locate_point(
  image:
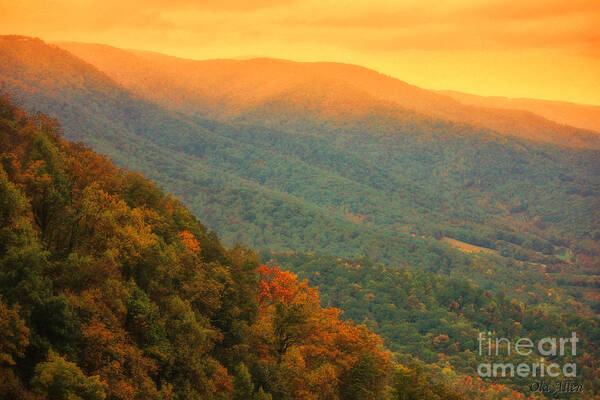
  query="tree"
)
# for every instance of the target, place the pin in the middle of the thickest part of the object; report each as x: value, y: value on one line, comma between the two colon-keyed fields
x: 262, y: 395
x: 14, y: 335
x: 365, y: 380
x: 58, y: 379
x: 242, y: 383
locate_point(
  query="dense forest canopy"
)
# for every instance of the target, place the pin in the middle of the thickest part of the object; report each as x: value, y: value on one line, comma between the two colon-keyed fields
x: 110, y: 289
x: 437, y: 320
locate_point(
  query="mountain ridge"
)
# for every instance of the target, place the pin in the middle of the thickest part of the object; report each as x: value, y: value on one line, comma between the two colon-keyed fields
x: 584, y: 116
x: 195, y: 84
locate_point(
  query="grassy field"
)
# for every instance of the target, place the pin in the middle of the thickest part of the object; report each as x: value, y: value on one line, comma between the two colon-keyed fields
x: 466, y: 247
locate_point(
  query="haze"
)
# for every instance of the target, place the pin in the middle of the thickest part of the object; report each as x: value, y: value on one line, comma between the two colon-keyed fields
x: 538, y: 49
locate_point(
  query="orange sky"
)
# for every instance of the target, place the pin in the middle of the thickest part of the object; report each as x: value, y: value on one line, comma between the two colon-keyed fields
x: 519, y: 48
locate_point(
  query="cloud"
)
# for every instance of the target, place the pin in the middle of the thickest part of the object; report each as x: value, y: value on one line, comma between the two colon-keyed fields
x: 374, y: 26
x: 435, y: 25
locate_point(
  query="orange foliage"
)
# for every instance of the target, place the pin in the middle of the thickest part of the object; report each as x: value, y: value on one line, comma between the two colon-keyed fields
x: 277, y: 285
x: 14, y: 335
x: 475, y: 387
x: 190, y: 242
x: 310, y: 340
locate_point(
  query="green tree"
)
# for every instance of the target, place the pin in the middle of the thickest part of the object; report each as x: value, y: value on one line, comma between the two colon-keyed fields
x: 242, y: 383
x: 58, y: 379
x: 262, y: 395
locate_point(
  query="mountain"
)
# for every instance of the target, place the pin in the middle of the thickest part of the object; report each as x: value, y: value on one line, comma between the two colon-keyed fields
x: 577, y: 115
x: 323, y: 170
x: 411, y: 222
x: 216, y: 87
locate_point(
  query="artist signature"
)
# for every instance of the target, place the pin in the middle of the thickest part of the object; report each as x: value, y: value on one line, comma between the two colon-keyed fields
x: 565, y: 386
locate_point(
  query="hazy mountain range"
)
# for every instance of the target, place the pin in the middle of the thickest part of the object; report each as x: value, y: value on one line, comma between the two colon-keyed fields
x: 230, y: 88
x: 328, y: 167
x: 318, y: 156
x: 577, y: 115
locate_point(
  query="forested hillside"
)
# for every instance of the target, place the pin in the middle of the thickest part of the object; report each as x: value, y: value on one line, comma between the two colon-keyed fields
x: 421, y: 315
x: 111, y: 289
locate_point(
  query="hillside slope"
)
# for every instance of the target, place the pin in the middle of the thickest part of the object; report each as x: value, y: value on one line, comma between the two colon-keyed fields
x: 215, y: 168
x: 111, y: 289
x: 217, y: 87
